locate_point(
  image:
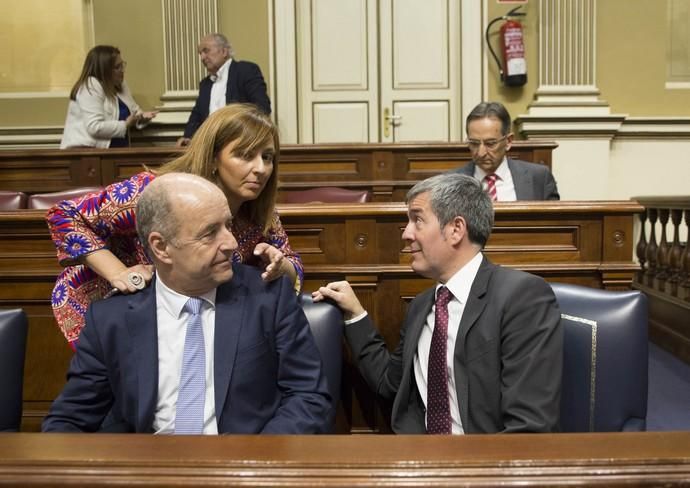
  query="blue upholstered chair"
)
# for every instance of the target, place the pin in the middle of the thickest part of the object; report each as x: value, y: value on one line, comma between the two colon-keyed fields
x: 13, y: 331
x: 326, y: 323
x: 605, y: 359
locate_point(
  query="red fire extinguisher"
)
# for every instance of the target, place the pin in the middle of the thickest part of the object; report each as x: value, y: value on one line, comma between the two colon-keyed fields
x: 513, y: 70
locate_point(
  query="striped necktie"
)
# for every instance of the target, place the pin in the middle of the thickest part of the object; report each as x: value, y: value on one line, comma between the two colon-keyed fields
x: 189, y: 415
x: 491, y: 186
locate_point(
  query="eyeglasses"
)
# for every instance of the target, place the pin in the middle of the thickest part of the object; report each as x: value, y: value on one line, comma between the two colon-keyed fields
x: 120, y: 66
x: 489, y: 144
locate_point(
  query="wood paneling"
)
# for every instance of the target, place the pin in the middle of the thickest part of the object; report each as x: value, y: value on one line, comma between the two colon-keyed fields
x: 617, y: 459
x: 387, y: 170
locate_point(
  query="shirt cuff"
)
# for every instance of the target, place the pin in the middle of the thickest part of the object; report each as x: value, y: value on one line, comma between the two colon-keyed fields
x: 357, y: 318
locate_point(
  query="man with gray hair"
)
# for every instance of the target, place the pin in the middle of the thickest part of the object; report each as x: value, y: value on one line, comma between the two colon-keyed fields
x: 228, y: 81
x: 480, y: 352
x: 209, y: 348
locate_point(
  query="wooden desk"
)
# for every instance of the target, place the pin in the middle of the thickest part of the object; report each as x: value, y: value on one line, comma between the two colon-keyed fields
x: 587, y: 243
x: 623, y: 459
x: 387, y: 170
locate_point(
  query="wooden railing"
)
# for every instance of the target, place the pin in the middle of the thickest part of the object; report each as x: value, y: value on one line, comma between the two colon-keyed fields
x: 665, y: 270
x: 587, y: 243
x: 617, y: 459
x: 387, y: 170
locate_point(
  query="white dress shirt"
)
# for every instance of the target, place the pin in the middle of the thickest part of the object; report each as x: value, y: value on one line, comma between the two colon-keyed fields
x: 172, y: 329
x: 505, y: 188
x: 219, y: 87
x: 459, y: 285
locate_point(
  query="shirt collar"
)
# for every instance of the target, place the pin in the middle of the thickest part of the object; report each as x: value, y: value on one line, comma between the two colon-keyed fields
x: 503, y: 171
x: 173, y: 302
x: 222, y: 72
x: 461, y: 282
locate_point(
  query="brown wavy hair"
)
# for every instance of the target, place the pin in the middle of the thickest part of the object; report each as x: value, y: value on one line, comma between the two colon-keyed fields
x: 253, y: 130
x: 99, y: 63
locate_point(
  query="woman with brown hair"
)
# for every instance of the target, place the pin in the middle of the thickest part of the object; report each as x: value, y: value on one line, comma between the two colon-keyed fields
x: 101, y: 107
x: 236, y: 148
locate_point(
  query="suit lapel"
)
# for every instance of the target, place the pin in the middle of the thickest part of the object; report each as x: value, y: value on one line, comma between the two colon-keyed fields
x: 231, y: 90
x: 476, y: 303
x: 231, y: 302
x: 522, y: 181
x: 143, y: 329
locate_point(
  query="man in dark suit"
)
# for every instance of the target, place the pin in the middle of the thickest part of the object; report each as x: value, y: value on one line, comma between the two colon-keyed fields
x: 489, y: 138
x: 228, y: 81
x: 208, y: 348
x: 481, y: 352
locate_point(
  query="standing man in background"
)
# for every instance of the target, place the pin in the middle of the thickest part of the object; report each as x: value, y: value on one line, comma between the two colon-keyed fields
x: 228, y: 81
x: 505, y: 179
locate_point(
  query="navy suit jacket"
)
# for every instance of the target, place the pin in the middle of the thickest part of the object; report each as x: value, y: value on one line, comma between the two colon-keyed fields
x: 245, y: 85
x: 532, y: 181
x: 508, y: 356
x: 267, y: 369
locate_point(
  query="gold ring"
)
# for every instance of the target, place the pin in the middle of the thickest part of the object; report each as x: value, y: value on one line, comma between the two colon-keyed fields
x: 136, y: 280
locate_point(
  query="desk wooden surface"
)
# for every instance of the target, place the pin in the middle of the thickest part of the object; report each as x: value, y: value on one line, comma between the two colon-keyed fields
x: 621, y: 459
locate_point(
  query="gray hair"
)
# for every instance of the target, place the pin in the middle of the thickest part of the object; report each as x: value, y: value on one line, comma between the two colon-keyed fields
x: 454, y: 195
x: 154, y: 212
x: 490, y: 110
x: 222, y: 41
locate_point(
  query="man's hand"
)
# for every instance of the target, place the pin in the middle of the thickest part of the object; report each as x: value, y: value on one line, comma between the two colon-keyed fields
x: 342, y: 294
x: 182, y: 142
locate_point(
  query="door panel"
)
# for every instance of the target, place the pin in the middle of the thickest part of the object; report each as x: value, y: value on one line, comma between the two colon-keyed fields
x: 421, y: 121
x: 420, y: 70
x: 337, y: 72
x: 341, y: 122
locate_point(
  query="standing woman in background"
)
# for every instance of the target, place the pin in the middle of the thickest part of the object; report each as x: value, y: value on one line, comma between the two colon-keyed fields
x: 101, y: 107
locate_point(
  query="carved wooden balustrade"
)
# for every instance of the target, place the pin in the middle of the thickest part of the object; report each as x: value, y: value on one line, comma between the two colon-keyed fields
x: 665, y: 270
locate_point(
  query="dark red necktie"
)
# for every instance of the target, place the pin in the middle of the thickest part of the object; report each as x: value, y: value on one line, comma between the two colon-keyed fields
x: 438, y: 420
x: 491, y: 186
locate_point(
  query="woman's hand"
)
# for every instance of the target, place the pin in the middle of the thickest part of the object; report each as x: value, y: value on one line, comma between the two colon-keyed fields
x: 276, y: 263
x: 133, y: 279
x: 146, y: 117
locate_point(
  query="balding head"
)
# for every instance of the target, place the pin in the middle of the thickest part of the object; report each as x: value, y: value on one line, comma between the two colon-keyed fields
x: 184, y: 221
x: 155, y: 207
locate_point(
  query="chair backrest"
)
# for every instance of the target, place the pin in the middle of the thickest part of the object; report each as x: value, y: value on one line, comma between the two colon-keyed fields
x: 13, y: 331
x: 326, y: 324
x: 326, y: 194
x: 605, y: 359
x: 47, y: 200
x: 12, y: 200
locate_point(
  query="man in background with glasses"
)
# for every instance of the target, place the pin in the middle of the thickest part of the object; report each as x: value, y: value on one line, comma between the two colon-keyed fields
x: 505, y: 179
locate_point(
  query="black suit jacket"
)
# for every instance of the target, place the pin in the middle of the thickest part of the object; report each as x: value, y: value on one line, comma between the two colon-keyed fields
x: 267, y: 370
x: 245, y: 85
x: 532, y: 181
x: 508, y: 357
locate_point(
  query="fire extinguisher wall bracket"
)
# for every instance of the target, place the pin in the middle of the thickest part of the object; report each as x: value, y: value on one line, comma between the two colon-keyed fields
x: 514, y: 69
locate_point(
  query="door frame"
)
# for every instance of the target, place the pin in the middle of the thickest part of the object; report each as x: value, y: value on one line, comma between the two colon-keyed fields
x: 284, y: 70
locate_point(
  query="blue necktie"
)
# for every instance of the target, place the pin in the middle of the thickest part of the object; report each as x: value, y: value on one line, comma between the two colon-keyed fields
x: 189, y: 416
